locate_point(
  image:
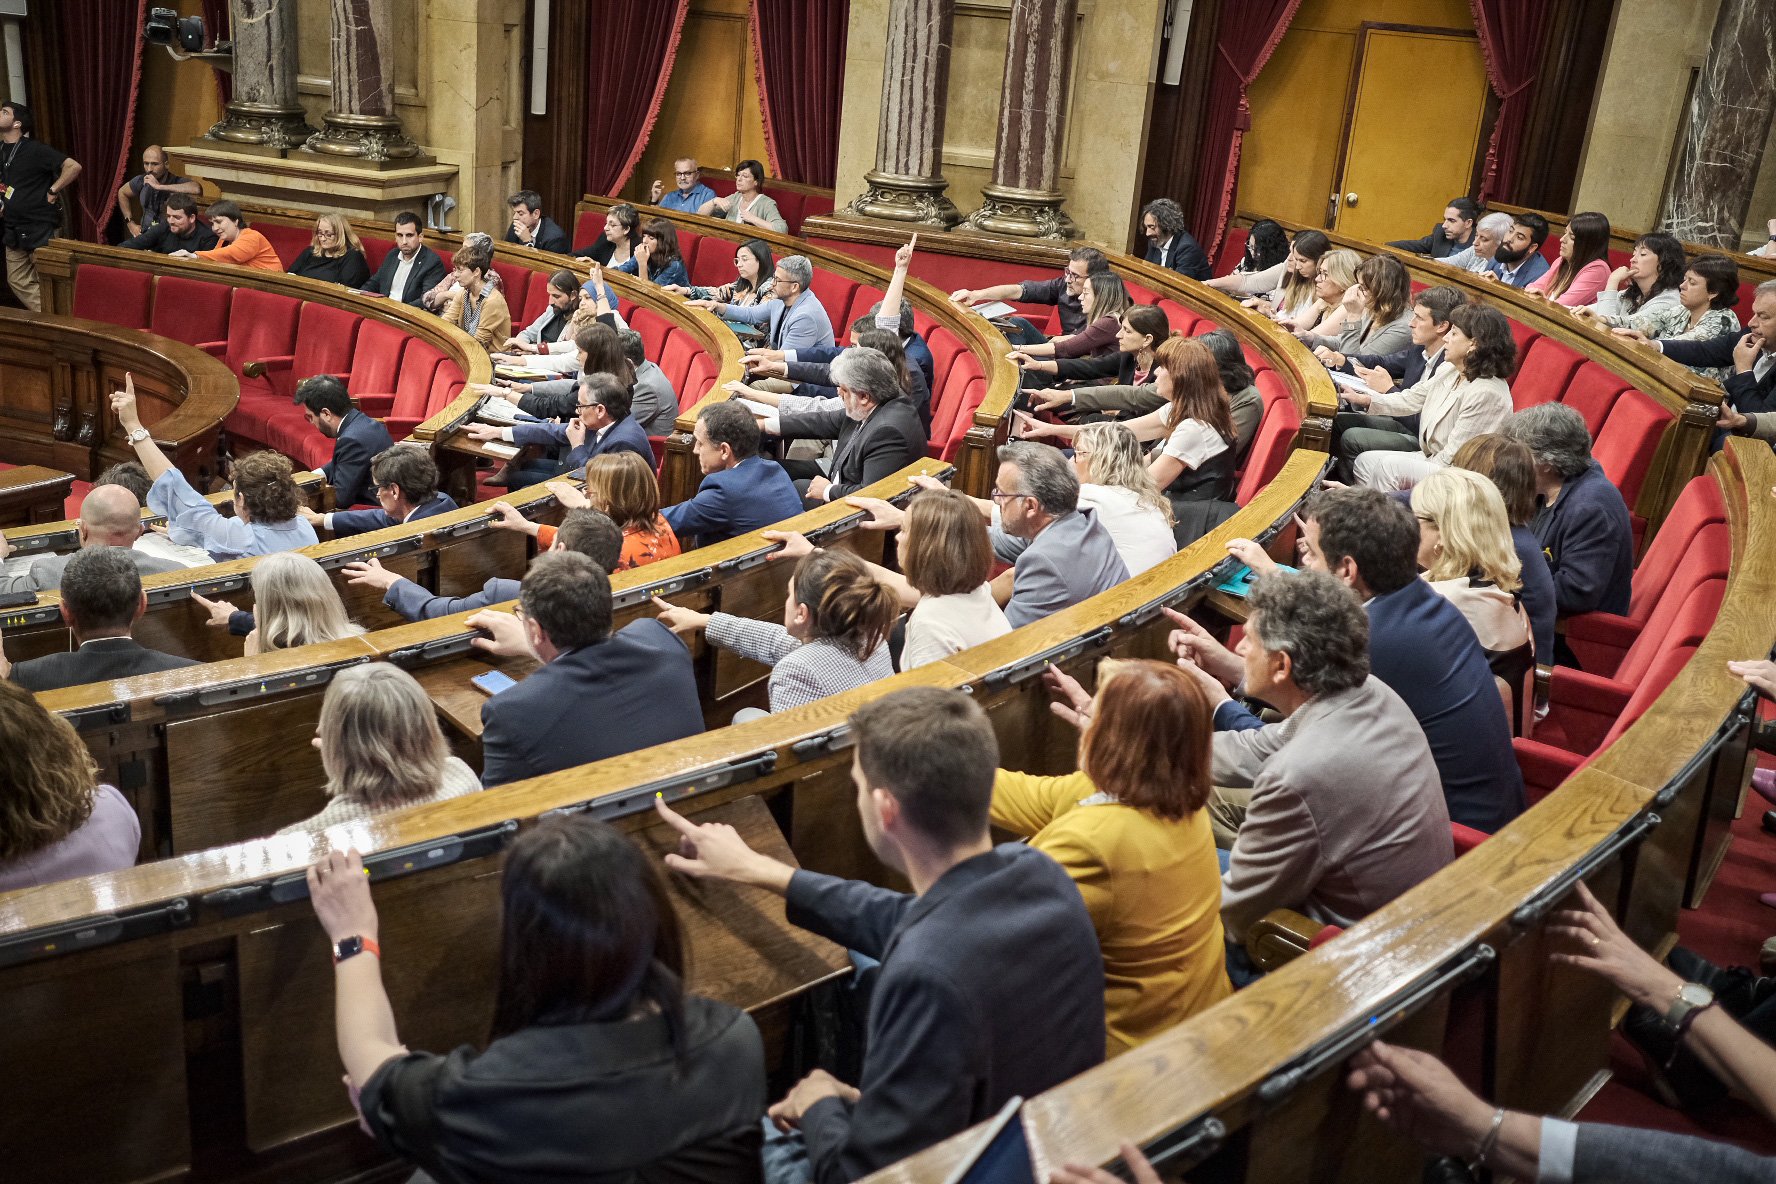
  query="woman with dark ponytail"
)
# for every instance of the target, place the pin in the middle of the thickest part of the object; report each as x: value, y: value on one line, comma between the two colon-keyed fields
x: 598, y: 1065
x: 836, y: 620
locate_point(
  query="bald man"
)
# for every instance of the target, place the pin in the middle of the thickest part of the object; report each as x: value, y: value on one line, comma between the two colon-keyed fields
x: 109, y: 517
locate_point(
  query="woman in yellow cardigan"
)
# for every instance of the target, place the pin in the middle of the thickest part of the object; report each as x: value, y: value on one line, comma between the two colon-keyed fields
x: 1131, y: 830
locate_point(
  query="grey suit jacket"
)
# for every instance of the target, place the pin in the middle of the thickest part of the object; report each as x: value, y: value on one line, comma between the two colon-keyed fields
x: 1347, y: 809
x: 1073, y: 559
x: 1623, y: 1155
x: 46, y: 573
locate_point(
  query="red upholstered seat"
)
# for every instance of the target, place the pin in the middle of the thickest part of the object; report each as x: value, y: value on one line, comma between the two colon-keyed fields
x: 834, y: 292
x: 192, y: 311
x: 945, y: 347
x: 948, y: 400
x: 1465, y: 838
x: 1233, y: 248
x: 1181, y: 319
x: 1270, y: 385
x: 1270, y: 448
x: 447, y: 384
x: 376, y: 249
x: 675, y: 358
x: 711, y: 261
x: 1592, y: 391
x: 514, y: 283
x: 698, y: 380
x: 814, y: 205
x: 588, y: 225
x: 261, y: 325
x: 972, y: 393
x: 419, y: 364
x: 114, y: 295
x: 1628, y: 440
x: 324, y: 339
x: 1543, y: 372
x: 376, y: 367
x: 861, y: 300
x: 287, y: 241
x: 653, y: 329
x: 1523, y: 335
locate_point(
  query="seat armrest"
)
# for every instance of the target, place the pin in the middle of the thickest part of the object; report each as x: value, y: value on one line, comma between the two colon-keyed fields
x: 1544, y: 766
x: 375, y: 406
x: 262, y: 366
x: 215, y: 349
x: 1584, y: 691
x: 1279, y: 937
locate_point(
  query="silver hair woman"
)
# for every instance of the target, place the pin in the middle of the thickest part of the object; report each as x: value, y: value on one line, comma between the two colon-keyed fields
x: 295, y: 604
x: 381, y: 748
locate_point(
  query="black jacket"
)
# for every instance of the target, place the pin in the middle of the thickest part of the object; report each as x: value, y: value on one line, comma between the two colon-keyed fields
x: 1707, y: 353
x: 162, y: 241
x: 1183, y: 255
x: 1436, y: 244
x: 426, y: 273
x: 99, y: 660
x: 350, y: 269
x: 863, y: 453
x: 549, y: 237
x: 1001, y: 947
x: 360, y: 439
x: 1406, y: 365
x: 814, y: 380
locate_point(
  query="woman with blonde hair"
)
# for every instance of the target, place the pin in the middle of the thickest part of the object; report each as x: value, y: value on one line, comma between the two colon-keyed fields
x: 1323, y: 321
x: 836, y: 621
x: 294, y: 603
x: 1294, y: 294
x: 1114, y: 480
x: 1377, y: 308
x: 1131, y: 830
x: 335, y: 254
x: 621, y: 485
x: 944, y: 581
x: 381, y: 748
x: 1465, y: 548
x: 56, y: 821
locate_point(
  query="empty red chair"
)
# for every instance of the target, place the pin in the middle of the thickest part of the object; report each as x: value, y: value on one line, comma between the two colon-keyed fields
x: 711, y: 261
x: 1181, y: 319
x: 376, y: 249
x: 945, y: 348
x: 1465, y: 838
x: 1523, y: 335
x: 861, y: 300
x: 834, y: 293
x: 1270, y: 448
x: 1543, y: 372
x: 698, y: 379
x: 653, y: 329
x: 675, y: 358
x: 514, y: 283
x: 1270, y: 386
x: 261, y: 325
x: 287, y: 241
x: 791, y: 205
x: 1627, y: 442
x: 972, y: 393
x: 376, y: 367
x: 1233, y: 249
x: 947, y: 401
x: 413, y: 388
x: 588, y: 226
x: 192, y: 311
x: 1592, y: 391
x: 324, y: 339
x: 114, y: 295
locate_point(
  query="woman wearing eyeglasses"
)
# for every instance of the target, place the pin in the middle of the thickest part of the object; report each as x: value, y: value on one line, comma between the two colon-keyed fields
x: 334, y: 254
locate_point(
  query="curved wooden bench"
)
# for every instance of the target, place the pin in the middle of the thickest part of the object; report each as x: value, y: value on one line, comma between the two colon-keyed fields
x: 56, y: 377
x: 1650, y: 446
x: 220, y: 912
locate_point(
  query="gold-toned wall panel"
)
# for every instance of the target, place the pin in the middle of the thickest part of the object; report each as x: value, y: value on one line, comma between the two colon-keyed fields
x: 1288, y: 159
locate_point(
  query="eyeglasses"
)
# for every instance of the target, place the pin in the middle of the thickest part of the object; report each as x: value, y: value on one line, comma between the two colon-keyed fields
x: 781, y: 279
x: 323, y: 232
x: 1072, y: 277
x: 585, y: 406
x: 1001, y: 495
x: 684, y: 173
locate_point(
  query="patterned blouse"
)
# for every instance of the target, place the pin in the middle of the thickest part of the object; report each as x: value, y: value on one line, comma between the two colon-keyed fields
x: 801, y: 672
x: 1716, y: 322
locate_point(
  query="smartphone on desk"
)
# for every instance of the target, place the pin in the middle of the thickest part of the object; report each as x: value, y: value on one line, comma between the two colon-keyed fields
x: 493, y: 682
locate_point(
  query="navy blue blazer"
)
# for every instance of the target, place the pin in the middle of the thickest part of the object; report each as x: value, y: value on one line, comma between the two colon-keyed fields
x: 1436, y: 244
x: 1183, y: 255
x: 417, y: 604
x: 360, y: 439
x: 549, y: 237
x: 1000, y: 947
x: 1527, y: 272
x: 624, y: 436
x: 1539, y: 598
x: 918, y: 352
x: 1709, y: 353
x: 1422, y: 647
x: 348, y: 522
x: 752, y: 495
x: 1406, y: 365
x: 427, y: 272
x: 100, y: 660
x: 633, y: 690
x: 1588, y: 540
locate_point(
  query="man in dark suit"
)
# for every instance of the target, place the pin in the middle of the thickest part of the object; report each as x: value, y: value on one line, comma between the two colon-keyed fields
x: 531, y: 227
x: 918, y: 350
x: 1454, y: 233
x: 586, y: 532
x: 1169, y: 242
x: 356, y: 438
x: 110, y: 516
x: 1420, y: 645
x: 405, y: 481
x: 598, y: 694
x: 993, y: 944
x: 741, y: 490
x: 410, y: 270
x: 875, y: 433
x: 604, y: 425
x: 101, y: 599
x: 178, y: 229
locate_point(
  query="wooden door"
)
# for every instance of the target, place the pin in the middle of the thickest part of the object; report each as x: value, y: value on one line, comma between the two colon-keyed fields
x: 1417, y: 101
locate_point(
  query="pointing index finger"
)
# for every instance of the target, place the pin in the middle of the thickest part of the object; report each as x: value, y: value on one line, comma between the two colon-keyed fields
x: 674, y: 819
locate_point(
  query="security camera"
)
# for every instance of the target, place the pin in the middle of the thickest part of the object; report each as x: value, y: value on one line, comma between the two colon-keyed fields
x: 166, y: 27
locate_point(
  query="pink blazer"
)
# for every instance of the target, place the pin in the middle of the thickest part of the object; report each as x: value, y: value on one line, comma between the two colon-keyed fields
x: 1585, y: 286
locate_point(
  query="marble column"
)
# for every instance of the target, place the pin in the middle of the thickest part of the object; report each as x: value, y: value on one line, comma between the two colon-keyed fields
x: 361, y: 127
x: 265, y: 116
x: 1024, y: 198
x: 907, y: 184
x: 1730, y: 115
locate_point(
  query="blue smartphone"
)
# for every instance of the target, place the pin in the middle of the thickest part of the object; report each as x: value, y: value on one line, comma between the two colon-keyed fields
x: 493, y: 682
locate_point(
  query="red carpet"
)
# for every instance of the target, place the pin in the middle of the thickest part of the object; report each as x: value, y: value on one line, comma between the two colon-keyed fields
x: 1728, y: 930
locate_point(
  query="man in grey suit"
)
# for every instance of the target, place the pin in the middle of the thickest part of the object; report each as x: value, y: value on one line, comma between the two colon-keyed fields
x: 1347, y: 808
x: 109, y: 517
x: 793, y: 318
x: 101, y: 599
x: 1060, y: 553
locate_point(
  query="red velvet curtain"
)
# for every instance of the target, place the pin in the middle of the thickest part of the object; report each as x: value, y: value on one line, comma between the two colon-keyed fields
x: 99, y: 44
x: 1245, y: 37
x: 1511, y: 42
x: 634, y: 44
x: 798, y: 49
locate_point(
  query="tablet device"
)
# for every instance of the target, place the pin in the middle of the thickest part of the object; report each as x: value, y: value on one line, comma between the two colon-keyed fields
x: 1003, y: 1154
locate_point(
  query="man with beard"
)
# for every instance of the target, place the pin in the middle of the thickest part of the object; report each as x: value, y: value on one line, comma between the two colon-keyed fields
x: 1518, y: 260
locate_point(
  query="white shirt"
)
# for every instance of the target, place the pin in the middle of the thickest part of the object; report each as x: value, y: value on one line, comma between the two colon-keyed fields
x: 1141, y: 534
x: 403, y: 269
x: 1193, y: 442
x: 940, y: 626
x: 152, y: 542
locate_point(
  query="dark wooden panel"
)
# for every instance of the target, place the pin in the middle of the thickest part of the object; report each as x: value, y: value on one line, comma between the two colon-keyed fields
x: 263, y: 752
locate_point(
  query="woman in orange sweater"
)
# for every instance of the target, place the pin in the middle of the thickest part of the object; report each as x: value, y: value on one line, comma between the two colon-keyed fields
x: 237, y: 242
x: 619, y: 484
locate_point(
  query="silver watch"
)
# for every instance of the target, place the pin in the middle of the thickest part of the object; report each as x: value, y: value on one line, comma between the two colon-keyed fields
x: 137, y: 436
x: 1690, y: 997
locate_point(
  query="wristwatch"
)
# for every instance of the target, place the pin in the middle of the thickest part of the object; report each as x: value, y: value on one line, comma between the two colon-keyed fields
x: 137, y: 436
x: 351, y: 947
x: 1692, y: 999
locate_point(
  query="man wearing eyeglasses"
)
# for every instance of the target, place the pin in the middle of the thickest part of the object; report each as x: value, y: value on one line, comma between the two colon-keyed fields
x: 604, y: 425
x: 793, y: 317
x: 1061, y: 554
x: 1062, y: 291
x: 691, y: 193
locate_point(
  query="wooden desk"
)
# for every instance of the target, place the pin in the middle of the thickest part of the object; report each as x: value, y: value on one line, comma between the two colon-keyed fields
x: 458, y: 700
x: 31, y: 494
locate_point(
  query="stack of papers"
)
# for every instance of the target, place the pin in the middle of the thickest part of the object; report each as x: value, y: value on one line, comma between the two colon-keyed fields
x: 500, y: 449
x: 1350, y: 382
x: 762, y: 410
x: 500, y: 410
x: 997, y: 308
x: 515, y: 372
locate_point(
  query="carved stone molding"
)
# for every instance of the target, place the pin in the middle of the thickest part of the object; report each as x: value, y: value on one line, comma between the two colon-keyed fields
x: 256, y: 128
x: 371, y: 141
x: 918, y: 201
x: 1024, y: 213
